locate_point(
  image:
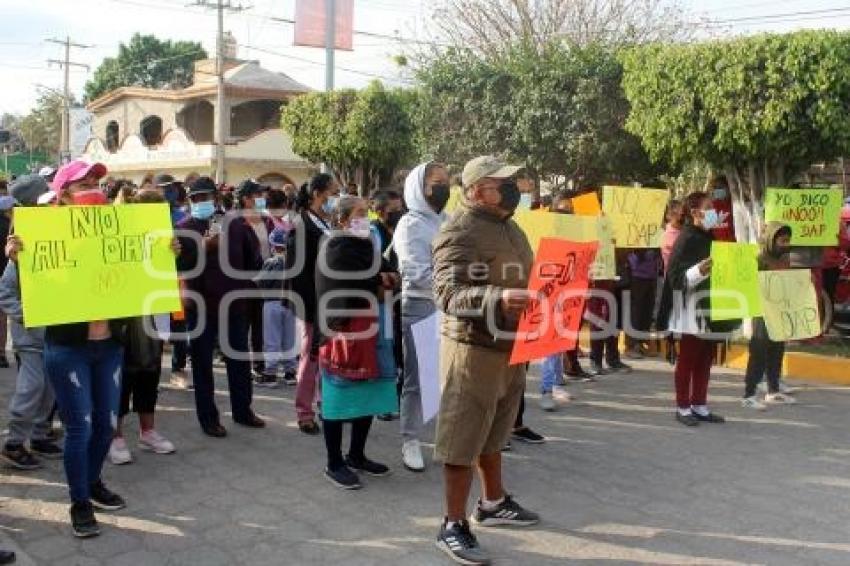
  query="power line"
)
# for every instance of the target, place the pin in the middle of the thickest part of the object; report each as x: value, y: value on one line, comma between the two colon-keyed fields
x: 833, y: 11
x: 311, y: 62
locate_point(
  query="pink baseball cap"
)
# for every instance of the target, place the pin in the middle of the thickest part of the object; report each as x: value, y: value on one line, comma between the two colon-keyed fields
x: 75, y: 171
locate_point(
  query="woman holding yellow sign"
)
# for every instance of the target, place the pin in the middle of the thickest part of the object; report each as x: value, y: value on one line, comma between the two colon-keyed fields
x: 83, y: 362
x: 685, y: 307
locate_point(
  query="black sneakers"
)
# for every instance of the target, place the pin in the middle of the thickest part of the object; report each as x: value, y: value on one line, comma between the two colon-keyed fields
x: 687, y: 420
x: 619, y: 367
x: 104, y: 499
x: 290, y: 378
x: 460, y: 544
x: 527, y: 435
x: 509, y: 512
x: 343, y: 478
x: 46, y: 449
x: 83, y: 522
x: 713, y: 418
x: 264, y: 379
x: 366, y: 465
x: 18, y: 457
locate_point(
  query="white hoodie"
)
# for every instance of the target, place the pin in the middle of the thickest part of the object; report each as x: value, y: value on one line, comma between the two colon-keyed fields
x: 413, y: 236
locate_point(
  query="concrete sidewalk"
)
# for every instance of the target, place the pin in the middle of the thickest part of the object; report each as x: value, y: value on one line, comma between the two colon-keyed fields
x: 619, y: 482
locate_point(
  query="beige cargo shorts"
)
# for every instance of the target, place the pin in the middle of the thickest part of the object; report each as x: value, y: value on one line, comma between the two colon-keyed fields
x: 480, y: 400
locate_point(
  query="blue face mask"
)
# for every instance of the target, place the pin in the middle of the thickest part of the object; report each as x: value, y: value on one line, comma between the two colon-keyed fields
x: 710, y: 219
x: 203, y: 210
x: 260, y: 203
x: 525, y: 201
x: 329, y: 206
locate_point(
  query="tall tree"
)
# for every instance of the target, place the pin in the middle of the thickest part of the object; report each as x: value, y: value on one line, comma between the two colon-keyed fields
x: 41, y: 129
x: 558, y: 109
x: 492, y: 26
x: 761, y: 109
x: 146, y: 61
x: 364, y: 136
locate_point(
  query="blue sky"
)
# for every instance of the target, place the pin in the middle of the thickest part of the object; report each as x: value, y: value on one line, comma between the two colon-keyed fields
x: 105, y: 23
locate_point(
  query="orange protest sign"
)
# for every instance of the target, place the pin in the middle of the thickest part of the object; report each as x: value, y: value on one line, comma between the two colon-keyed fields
x: 559, y: 280
x: 587, y: 205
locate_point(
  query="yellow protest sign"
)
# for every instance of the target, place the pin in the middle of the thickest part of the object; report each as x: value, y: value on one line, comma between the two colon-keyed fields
x: 637, y: 214
x: 587, y: 205
x: 82, y: 263
x: 812, y: 214
x: 539, y: 224
x: 790, y: 304
x: 734, y: 281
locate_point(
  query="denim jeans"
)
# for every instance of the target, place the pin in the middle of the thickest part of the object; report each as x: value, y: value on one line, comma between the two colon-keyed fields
x: 32, y: 402
x: 87, y: 383
x: 279, y: 337
x: 553, y: 371
x: 412, y: 311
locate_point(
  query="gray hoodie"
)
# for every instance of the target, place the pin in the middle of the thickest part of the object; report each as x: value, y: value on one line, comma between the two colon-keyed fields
x: 413, y: 236
x: 23, y: 339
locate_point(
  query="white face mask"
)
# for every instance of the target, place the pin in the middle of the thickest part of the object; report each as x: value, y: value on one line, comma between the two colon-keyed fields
x: 359, y: 227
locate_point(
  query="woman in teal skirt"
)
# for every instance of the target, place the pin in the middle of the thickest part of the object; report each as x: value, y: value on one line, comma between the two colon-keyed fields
x: 356, y: 360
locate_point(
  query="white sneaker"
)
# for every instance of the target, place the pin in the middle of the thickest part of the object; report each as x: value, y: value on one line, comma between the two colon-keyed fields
x: 547, y: 402
x: 179, y: 379
x: 561, y: 395
x: 119, y: 453
x: 753, y: 403
x: 779, y: 399
x: 411, y: 455
x: 154, y: 442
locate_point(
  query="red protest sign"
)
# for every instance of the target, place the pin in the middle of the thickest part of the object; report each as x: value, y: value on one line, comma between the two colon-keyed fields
x: 559, y: 280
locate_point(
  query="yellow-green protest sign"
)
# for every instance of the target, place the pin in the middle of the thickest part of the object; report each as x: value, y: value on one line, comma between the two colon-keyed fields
x: 82, y: 263
x: 790, y: 304
x: 735, y: 292
x: 637, y: 215
x: 812, y: 214
x: 539, y: 224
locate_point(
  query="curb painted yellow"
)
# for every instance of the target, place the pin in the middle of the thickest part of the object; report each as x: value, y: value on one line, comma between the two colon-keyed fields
x: 800, y: 365
x: 826, y: 370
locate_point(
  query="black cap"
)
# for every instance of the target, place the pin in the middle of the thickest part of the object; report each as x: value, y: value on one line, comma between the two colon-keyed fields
x: 249, y: 187
x: 164, y: 180
x: 28, y: 188
x: 202, y: 186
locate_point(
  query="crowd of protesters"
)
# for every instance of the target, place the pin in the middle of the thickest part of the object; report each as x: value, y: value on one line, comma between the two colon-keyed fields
x: 283, y: 286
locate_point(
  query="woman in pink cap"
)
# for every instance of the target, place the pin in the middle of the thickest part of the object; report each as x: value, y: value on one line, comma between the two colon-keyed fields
x: 83, y: 363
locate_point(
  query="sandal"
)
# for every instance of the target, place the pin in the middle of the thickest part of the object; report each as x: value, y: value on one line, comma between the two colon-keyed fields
x: 309, y: 427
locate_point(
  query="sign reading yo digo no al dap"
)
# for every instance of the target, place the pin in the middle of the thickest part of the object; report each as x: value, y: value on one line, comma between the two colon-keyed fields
x: 83, y: 263
x: 812, y: 214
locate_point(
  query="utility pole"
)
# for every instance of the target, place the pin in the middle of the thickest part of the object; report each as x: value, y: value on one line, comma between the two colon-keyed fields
x: 330, y: 43
x: 220, y: 6
x: 66, y: 64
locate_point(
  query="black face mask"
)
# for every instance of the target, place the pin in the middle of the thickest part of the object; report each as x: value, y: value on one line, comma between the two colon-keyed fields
x: 439, y: 197
x: 510, y: 195
x: 394, y: 217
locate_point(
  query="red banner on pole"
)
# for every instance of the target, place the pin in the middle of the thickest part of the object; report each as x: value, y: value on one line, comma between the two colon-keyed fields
x: 310, y: 17
x: 559, y: 281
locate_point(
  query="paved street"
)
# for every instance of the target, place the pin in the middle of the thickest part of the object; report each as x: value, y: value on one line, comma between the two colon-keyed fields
x: 619, y: 482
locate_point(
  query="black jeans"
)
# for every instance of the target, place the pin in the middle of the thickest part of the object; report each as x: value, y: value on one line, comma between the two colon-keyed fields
x: 238, y: 371
x: 255, y: 321
x: 333, y: 440
x: 143, y: 387
x: 180, y: 347
x: 765, y: 359
x: 641, y: 307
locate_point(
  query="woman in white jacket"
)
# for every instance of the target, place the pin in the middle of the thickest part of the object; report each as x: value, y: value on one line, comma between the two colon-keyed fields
x: 426, y: 192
